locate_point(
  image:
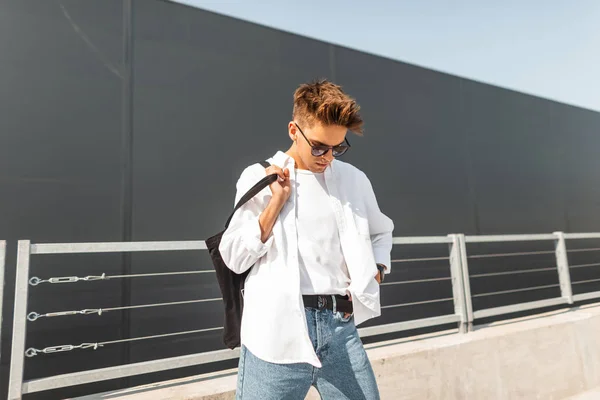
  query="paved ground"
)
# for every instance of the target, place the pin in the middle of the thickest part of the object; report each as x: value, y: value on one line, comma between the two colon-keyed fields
x: 591, y: 395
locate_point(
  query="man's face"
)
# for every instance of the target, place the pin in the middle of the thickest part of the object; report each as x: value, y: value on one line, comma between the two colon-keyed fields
x: 316, y: 135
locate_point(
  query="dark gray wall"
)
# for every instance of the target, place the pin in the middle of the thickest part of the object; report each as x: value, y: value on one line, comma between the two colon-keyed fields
x: 115, y: 131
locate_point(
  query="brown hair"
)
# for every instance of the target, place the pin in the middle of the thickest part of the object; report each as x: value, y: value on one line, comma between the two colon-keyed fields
x: 325, y: 102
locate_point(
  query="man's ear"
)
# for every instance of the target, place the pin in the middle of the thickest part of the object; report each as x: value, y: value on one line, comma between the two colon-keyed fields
x: 292, y: 130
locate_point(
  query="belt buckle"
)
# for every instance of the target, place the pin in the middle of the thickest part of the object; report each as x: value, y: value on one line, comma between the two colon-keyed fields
x: 322, y: 302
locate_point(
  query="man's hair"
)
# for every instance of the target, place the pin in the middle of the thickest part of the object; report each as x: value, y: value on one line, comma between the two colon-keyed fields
x: 325, y: 102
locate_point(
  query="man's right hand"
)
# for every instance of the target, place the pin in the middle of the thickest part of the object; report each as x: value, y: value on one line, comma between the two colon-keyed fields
x: 281, y: 188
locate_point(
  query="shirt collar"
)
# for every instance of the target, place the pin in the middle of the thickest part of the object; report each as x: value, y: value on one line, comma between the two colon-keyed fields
x: 283, y: 160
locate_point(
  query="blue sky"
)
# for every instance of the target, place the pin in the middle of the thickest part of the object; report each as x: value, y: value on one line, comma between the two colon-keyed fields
x: 547, y: 48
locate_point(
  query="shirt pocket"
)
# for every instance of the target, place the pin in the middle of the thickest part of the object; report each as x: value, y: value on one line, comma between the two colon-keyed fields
x: 362, y: 226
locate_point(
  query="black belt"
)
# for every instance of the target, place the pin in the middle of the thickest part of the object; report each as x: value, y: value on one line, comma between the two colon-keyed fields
x: 322, y: 302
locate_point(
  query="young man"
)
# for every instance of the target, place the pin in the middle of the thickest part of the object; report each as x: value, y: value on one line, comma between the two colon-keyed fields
x: 318, y: 246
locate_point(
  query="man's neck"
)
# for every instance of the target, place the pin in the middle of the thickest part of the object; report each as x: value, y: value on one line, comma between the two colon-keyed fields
x: 298, y: 164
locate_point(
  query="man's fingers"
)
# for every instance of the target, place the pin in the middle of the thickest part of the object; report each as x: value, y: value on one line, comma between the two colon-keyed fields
x: 276, y: 170
x: 283, y: 175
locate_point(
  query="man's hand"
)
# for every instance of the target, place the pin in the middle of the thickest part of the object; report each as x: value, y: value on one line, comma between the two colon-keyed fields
x: 378, y: 277
x: 348, y: 315
x: 281, y: 188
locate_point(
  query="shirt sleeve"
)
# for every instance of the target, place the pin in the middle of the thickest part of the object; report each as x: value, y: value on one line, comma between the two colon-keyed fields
x: 380, y: 228
x: 241, y: 245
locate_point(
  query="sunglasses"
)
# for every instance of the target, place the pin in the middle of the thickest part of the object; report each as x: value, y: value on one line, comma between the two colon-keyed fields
x: 321, y: 149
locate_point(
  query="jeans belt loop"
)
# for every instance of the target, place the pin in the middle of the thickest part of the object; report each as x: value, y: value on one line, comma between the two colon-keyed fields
x: 334, y: 304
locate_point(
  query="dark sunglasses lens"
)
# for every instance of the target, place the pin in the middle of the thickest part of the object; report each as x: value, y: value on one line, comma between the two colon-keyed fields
x: 318, y: 151
x: 339, y: 150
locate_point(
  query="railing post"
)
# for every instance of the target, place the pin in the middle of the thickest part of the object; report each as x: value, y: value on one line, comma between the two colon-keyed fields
x: 459, y: 289
x: 15, y: 384
x: 562, y: 263
x: 2, y: 264
x: 464, y: 265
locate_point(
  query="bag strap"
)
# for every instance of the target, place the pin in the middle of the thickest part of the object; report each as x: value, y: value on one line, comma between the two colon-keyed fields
x: 254, y: 190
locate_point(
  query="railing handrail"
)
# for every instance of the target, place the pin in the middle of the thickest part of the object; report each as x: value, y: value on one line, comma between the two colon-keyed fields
x: 116, y: 247
x: 589, y: 235
x: 459, y: 276
x: 508, y: 238
x: 136, y: 246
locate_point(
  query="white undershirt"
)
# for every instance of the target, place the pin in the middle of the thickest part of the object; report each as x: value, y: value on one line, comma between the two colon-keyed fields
x: 323, y: 269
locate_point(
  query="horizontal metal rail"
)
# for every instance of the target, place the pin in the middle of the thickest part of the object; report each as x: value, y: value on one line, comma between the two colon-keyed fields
x: 34, y: 281
x: 33, y: 316
x: 586, y: 296
x: 416, y: 281
x: 32, y: 352
x: 420, y: 259
x: 418, y: 303
x: 583, y: 250
x: 594, y: 235
x: 586, y: 281
x: 115, y: 247
x: 513, y: 272
x: 585, y: 265
x: 515, y: 290
x: 522, y: 253
x: 202, y: 271
x: 490, y: 312
x: 407, y: 325
x: 422, y: 240
x: 121, y: 371
x: 509, y: 238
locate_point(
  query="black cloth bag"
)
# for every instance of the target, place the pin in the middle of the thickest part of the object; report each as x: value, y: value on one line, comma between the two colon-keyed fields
x: 230, y: 283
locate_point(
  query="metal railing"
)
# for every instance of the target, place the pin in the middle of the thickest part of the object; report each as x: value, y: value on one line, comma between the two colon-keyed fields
x: 456, y: 277
x: 457, y: 258
x: 581, y: 236
x: 561, y: 267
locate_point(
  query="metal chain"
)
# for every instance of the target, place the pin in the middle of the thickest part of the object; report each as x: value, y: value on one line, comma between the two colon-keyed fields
x: 33, y: 316
x: 32, y: 352
x: 34, y: 281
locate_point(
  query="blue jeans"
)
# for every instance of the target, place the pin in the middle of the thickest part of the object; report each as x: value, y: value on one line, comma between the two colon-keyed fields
x: 346, y: 371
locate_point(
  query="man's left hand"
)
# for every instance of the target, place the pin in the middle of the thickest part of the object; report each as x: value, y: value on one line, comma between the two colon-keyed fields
x: 378, y: 277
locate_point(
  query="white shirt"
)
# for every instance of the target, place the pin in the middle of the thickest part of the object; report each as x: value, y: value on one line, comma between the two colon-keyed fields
x: 322, y: 266
x: 274, y: 324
